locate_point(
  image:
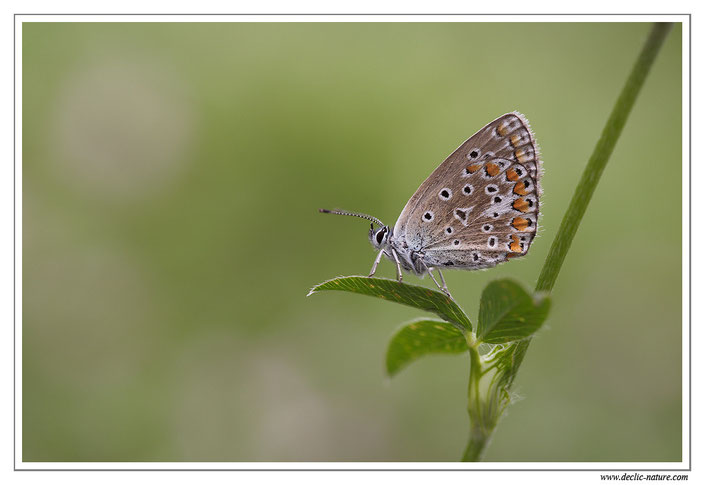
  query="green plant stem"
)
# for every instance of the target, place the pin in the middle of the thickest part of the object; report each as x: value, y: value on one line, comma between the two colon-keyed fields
x: 479, y: 434
x: 476, y: 445
x: 600, y: 156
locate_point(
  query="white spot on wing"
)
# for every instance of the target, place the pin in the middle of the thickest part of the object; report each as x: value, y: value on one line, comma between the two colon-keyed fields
x: 462, y: 215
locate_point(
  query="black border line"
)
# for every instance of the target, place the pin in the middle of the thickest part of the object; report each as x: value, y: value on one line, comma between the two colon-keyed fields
x: 690, y: 252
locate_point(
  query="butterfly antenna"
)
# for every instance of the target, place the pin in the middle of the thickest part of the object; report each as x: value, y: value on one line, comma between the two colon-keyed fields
x: 354, y: 214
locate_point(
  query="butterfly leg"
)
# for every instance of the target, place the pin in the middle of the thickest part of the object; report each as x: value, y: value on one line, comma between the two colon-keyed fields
x: 396, y: 260
x: 443, y: 288
x: 443, y: 282
x: 374, y: 266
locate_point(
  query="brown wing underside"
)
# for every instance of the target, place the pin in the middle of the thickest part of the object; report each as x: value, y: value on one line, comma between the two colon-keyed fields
x: 484, y: 197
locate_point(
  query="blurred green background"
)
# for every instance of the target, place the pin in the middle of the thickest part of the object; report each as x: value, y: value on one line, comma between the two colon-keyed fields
x: 172, y: 174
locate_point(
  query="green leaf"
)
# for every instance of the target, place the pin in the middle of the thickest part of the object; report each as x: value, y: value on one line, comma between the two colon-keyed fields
x: 509, y: 313
x: 508, y: 361
x: 391, y: 290
x: 422, y: 337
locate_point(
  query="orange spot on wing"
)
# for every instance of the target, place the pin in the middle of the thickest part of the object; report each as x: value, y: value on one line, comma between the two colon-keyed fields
x: 520, y: 188
x: 474, y: 167
x: 512, y: 175
x: 524, y: 155
x: 503, y: 129
x: 515, y: 245
x: 521, y: 205
x: 515, y: 139
x: 520, y: 223
x: 492, y: 169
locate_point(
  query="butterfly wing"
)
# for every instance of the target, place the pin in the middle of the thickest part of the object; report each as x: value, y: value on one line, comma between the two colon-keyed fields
x: 480, y: 206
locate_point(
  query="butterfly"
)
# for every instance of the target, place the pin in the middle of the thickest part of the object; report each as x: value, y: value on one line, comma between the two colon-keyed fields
x: 479, y: 208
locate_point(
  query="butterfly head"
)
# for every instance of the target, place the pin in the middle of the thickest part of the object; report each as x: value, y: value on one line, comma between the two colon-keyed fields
x: 379, y: 237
